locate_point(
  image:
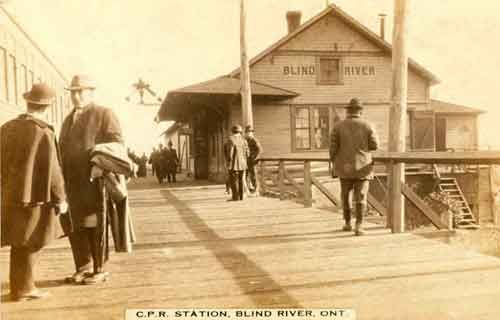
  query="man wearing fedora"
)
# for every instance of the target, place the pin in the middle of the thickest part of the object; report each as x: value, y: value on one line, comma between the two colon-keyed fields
x: 87, y: 125
x: 32, y: 190
x: 351, y: 144
x: 236, y: 153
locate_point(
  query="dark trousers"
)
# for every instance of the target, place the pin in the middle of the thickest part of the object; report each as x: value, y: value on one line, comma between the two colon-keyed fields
x: 359, y: 190
x: 22, y: 270
x: 236, y: 181
x: 171, y: 176
x: 251, y: 176
x: 86, y: 251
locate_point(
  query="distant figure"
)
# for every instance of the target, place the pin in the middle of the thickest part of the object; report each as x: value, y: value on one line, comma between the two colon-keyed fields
x: 255, y: 150
x: 85, y: 127
x: 171, y: 162
x: 351, y: 143
x: 141, y: 162
x: 236, y: 153
x: 32, y: 190
x: 158, y: 163
x: 152, y: 161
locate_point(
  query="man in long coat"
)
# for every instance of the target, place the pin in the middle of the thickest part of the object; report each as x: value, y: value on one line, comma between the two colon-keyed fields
x: 32, y: 190
x: 255, y: 149
x: 351, y: 144
x: 236, y: 153
x: 87, y: 125
x: 171, y: 162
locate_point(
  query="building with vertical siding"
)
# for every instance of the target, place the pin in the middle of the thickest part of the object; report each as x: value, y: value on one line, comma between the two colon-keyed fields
x: 300, y: 86
x: 22, y: 63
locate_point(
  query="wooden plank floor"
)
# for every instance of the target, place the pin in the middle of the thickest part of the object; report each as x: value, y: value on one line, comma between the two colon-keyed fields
x: 197, y: 250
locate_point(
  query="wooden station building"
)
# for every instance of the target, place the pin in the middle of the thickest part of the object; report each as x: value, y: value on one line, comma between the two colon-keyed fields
x: 22, y: 63
x: 300, y: 85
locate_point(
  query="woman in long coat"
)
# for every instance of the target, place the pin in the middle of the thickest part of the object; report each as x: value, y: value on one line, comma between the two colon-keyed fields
x: 32, y: 190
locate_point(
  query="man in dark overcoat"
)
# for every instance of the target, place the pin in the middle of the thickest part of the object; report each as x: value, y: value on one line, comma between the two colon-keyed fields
x: 87, y: 125
x: 171, y: 162
x: 236, y: 153
x: 32, y: 190
x: 351, y: 144
x: 255, y: 149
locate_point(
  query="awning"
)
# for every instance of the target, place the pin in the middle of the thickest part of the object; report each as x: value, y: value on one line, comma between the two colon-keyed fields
x: 219, y: 90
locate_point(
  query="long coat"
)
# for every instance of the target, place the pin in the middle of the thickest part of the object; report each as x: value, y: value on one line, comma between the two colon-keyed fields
x: 351, y: 143
x: 171, y: 160
x: 32, y: 182
x: 236, y: 152
x: 94, y: 125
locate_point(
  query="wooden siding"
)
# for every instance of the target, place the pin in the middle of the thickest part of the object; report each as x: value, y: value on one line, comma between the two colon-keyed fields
x: 461, y: 132
x: 485, y: 196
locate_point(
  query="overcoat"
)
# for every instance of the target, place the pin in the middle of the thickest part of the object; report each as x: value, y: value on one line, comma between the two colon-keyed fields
x: 236, y: 152
x: 171, y: 160
x: 94, y: 125
x: 32, y: 182
x: 351, y: 143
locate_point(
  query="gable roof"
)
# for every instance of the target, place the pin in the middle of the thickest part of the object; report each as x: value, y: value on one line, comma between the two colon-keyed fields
x: 446, y: 107
x: 333, y: 9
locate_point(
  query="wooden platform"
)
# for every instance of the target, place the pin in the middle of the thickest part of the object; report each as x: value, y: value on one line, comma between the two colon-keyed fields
x: 197, y: 250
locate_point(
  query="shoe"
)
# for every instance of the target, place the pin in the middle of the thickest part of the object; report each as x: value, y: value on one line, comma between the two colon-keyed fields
x: 35, y: 294
x: 359, y: 230
x: 78, y: 276
x: 96, y: 278
x: 347, y: 227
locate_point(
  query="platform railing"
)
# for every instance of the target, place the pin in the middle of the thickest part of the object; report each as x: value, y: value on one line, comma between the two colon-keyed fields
x: 283, y: 165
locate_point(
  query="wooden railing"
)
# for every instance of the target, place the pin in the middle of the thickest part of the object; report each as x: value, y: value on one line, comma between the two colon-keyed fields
x: 281, y: 166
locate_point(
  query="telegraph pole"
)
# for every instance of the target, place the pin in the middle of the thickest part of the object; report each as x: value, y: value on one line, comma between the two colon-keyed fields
x: 398, y: 117
x: 246, y: 92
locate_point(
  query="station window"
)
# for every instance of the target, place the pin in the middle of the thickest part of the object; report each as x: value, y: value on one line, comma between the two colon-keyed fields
x: 3, y: 78
x: 12, y: 80
x: 311, y: 127
x: 329, y: 71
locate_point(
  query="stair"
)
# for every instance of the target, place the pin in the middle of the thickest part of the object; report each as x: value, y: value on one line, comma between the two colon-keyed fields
x: 465, y: 218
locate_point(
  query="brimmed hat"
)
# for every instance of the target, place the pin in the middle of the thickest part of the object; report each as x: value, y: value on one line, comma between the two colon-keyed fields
x: 40, y: 94
x: 355, y: 104
x: 237, y: 128
x: 249, y: 128
x: 80, y: 82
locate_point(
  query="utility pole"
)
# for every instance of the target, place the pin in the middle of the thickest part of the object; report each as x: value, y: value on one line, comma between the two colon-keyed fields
x: 398, y: 116
x: 246, y: 92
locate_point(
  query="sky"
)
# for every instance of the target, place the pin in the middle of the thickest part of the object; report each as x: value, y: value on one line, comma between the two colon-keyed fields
x: 174, y: 43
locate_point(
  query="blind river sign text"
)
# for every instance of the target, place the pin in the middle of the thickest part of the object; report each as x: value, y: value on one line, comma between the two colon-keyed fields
x: 310, y: 70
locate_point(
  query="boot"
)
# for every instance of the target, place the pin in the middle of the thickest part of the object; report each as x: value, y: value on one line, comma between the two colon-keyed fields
x: 347, y: 218
x: 360, y: 211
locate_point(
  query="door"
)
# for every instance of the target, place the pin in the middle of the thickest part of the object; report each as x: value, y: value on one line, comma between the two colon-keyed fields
x: 422, y: 127
x: 441, y: 134
x: 200, y: 137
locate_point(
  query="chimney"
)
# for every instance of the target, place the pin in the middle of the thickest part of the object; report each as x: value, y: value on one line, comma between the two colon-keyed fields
x: 382, y: 25
x: 293, y: 19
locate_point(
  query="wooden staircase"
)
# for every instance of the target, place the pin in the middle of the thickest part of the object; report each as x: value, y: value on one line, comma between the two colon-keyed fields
x: 465, y: 218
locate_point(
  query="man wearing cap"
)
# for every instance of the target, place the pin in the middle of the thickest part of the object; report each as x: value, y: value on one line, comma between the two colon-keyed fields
x: 236, y: 153
x: 351, y: 144
x: 32, y: 190
x: 87, y: 125
x: 255, y: 149
x: 171, y: 162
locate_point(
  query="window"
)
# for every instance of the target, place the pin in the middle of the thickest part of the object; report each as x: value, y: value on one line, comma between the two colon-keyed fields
x: 302, y: 128
x: 24, y: 78
x: 12, y: 80
x: 329, y: 71
x: 311, y: 127
x: 3, y: 72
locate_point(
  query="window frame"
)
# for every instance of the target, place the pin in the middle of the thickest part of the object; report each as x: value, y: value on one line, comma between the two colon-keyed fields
x: 293, y: 129
x: 340, y: 77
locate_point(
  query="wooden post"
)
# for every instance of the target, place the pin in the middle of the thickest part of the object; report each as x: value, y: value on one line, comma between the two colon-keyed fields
x: 397, y: 119
x: 281, y: 179
x: 307, y: 184
x: 246, y: 92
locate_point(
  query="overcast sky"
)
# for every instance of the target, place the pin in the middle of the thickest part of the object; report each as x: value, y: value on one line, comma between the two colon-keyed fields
x: 173, y: 43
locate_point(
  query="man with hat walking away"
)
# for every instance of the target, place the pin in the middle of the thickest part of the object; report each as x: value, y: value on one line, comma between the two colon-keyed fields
x: 32, y: 190
x: 255, y: 149
x: 236, y: 152
x: 87, y: 125
x: 351, y: 144
x: 171, y: 162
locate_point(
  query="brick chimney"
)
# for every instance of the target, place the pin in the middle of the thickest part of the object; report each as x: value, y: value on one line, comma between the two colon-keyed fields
x: 293, y: 20
x: 382, y: 25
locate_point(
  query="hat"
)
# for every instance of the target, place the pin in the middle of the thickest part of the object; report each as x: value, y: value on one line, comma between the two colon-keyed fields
x: 249, y: 128
x: 237, y: 128
x: 170, y: 142
x: 40, y: 94
x: 355, y: 104
x: 80, y: 82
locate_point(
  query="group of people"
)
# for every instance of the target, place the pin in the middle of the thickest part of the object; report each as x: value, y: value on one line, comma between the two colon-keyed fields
x: 47, y: 180
x: 164, y: 162
x: 141, y: 162
x: 241, y: 153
